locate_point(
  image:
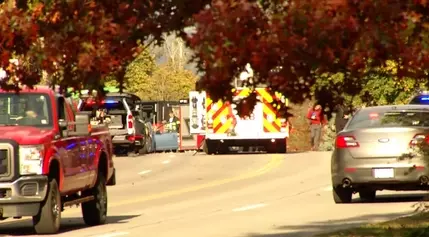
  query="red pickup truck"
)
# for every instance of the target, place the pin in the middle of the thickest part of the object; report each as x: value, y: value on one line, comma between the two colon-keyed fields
x: 50, y: 157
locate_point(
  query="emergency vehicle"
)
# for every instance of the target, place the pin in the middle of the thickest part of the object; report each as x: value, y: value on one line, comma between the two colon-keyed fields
x: 222, y: 128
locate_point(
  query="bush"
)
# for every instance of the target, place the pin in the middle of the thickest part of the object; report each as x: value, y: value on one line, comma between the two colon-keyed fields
x: 299, y: 139
x: 328, y: 136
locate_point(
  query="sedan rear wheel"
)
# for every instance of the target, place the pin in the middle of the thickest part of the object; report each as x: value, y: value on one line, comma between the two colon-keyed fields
x: 342, y: 195
x: 367, y: 195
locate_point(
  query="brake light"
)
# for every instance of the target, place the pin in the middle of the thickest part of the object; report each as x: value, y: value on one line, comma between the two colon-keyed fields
x: 346, y: 142
x: 418, y: 139
x: 373, y: 116
x: 90, y: 102
x: 130, y: 121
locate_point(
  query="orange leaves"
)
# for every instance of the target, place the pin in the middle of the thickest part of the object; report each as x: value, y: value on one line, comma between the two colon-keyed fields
x: 37, y: 10
x: 84, y: 60
x: 91, y: 4
x: 55, y: 17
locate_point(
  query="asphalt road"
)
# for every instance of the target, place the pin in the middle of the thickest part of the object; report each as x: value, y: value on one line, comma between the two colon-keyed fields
x: 239, y: 195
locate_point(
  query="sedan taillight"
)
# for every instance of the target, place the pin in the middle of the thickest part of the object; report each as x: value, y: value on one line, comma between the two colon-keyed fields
x: 418, y: 139
x: 346, y: 142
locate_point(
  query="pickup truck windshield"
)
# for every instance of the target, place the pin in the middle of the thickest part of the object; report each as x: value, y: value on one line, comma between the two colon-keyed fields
x: 25, y: 109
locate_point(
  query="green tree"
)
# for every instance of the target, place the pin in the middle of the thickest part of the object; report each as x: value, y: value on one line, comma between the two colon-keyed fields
x: 139, y: 72
x: 155, y: 82
x: 377, y: 86
x: 166, y: 84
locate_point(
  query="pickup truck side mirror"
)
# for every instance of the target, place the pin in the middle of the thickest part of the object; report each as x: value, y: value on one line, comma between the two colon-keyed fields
x: 62, y: 124
x: 81, y: 125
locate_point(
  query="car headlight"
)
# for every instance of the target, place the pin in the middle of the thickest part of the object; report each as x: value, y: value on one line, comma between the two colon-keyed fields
x: 31, y: 159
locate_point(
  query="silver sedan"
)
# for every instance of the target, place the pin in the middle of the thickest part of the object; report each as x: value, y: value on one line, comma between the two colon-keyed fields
x: 381, y: 148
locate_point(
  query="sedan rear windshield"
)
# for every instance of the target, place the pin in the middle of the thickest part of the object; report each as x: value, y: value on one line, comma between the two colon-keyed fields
x: 389, y: 118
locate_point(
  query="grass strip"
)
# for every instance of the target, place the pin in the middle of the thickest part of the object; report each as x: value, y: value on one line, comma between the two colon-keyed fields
x: 411, y: 226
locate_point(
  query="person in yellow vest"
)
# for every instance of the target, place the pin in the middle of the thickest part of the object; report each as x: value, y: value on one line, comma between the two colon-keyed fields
x: 173, y: 124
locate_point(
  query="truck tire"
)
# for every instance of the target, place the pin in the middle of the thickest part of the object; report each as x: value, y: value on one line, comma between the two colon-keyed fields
x: 95, y: 212
x: 208, y: 150
x: 278, y: 147
x: 282, y: 149
x: 342, y: 195
x: 48, y: 220
x: 211, y: 147
x: 112, y: 181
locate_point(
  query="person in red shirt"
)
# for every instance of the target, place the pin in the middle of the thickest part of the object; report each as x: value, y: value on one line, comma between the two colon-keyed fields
x: 317, y: 122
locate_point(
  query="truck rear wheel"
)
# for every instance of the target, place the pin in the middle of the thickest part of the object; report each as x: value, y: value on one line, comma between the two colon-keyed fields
x: 208, y: 149
x: 279, y: 146
x: 48, y: 220
x: 95, y: 212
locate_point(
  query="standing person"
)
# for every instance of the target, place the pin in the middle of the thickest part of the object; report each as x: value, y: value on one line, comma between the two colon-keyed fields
x: 317, y: 122
x: 173, y: 122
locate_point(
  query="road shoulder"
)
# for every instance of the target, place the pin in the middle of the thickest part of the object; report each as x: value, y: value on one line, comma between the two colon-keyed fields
x: 409, y: 226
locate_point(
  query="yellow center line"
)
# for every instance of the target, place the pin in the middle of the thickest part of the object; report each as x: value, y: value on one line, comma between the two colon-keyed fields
x: 274, y: 163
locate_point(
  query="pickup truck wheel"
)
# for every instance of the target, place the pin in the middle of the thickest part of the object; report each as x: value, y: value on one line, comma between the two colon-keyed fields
x: 48, y: 220
x: 342, y: 195
x: 95, y: 212
x: 112, y: 180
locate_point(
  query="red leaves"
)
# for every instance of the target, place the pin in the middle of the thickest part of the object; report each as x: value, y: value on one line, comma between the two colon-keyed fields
x: 110, y: 31
x: 245, y: 106
x: 284, y: 41
x: 307, y: 36
x: 424, y: 3
x: 84, y: 61
x: 4, y: 58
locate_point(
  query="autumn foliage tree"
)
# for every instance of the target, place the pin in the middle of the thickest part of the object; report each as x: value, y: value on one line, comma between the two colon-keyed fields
x: 287, y: 42
x: 84, y: 40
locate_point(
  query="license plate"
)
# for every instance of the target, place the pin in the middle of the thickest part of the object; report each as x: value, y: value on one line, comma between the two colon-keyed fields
x: 385, y: 173
x: 119, y: 138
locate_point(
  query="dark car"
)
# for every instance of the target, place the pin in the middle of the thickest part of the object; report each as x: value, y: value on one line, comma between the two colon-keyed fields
x: 122, y: 112
x: 380, y: 149
x: 420, y: 99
